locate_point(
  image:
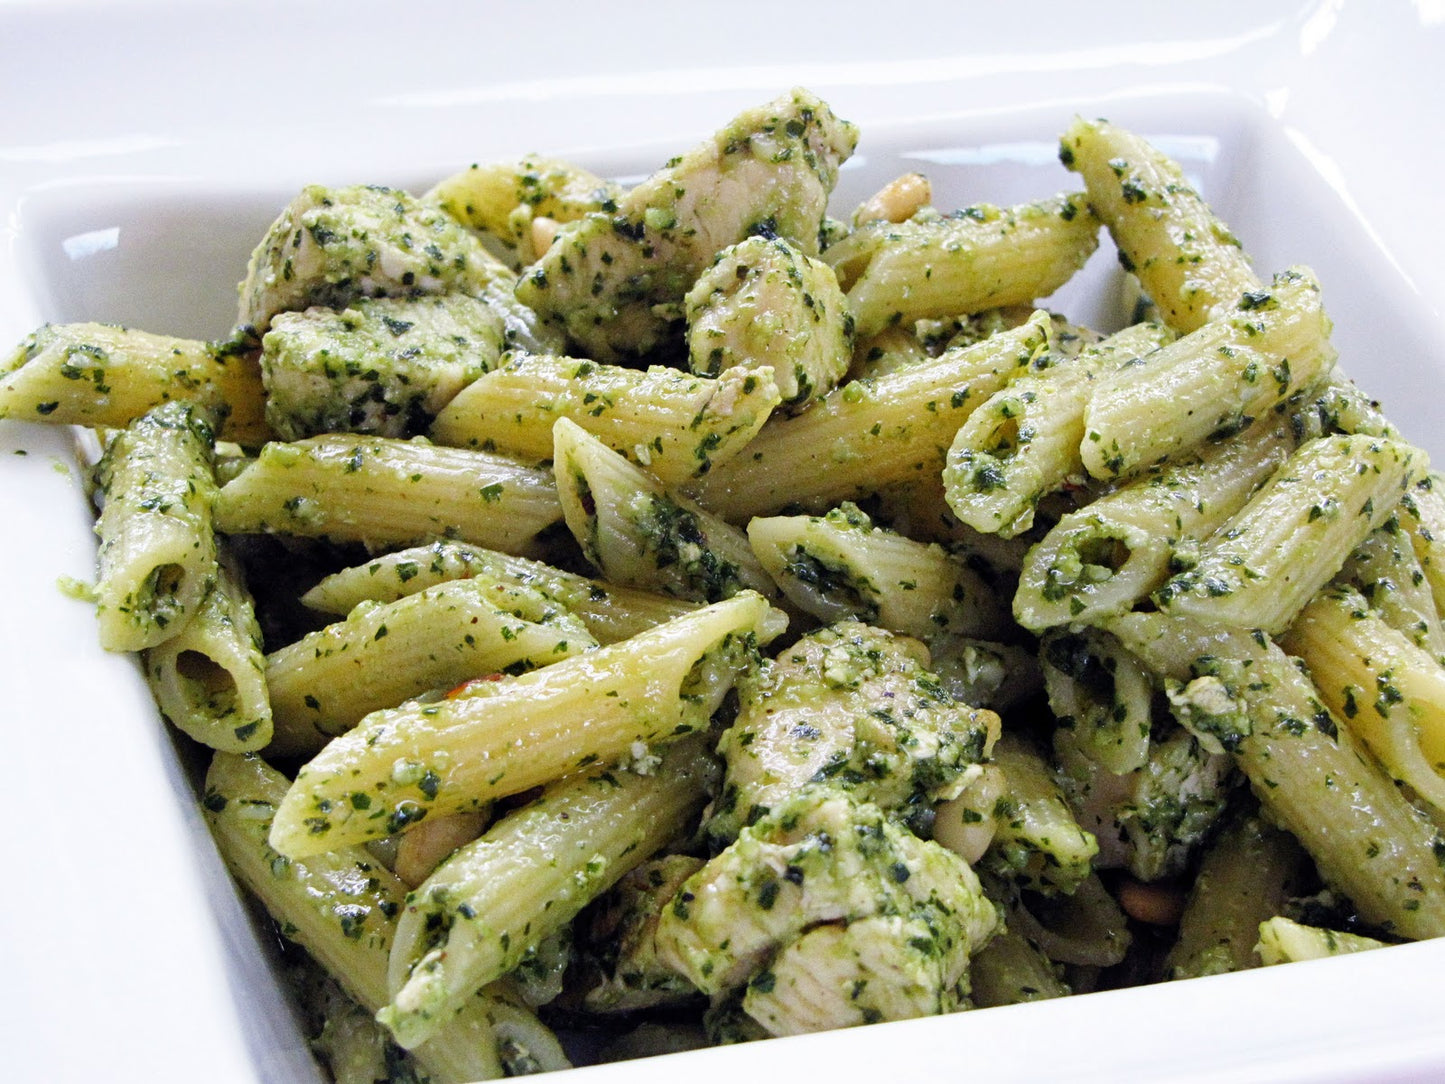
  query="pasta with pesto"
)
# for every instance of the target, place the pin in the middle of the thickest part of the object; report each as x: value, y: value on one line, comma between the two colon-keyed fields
x: 693, y: 610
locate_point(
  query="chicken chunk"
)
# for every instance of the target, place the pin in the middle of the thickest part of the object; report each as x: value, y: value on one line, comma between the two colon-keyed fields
x: 852, y: 707
x: 385, y: 365
x: 616, y: 281
x: 763, y: 302
x: 885, y: 967
x: 819, y: 857
x: 331, y: 246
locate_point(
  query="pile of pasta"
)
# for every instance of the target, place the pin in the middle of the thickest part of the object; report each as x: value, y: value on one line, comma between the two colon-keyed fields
x: 680, y: 606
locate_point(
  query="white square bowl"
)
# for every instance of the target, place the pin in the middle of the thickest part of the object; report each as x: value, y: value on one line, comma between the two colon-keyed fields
x: 158, y: 140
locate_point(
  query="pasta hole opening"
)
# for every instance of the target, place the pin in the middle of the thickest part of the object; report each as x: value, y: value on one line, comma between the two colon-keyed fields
x: 1003, y: 443
x: 207, y: 683
x: 165, y: 582
x: 1103, y: 557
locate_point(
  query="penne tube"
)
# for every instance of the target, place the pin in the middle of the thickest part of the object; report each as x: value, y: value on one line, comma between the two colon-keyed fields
x: 1036, y: 839
x: 623, y: 934
x: 529, y: 875
x: 611, y: 613
x: 384, y: 492
x: 1023, y: 443
x: 385, y: 653
x: 1386, y: 569
x: 1284, y: 941
x: 1246, y: 877
x: 1085, y: 928
x: 507, y: 201
x: 1211, y: 383
x: 1422, y: 514
x: 342, y: 908
x: 1388, y: 691
x: 891, y: 349
x: 209, y: 679
x: 1341, y: 407
x: 1309, y: 773
x: 841, y: 566
x: 503, y: 737
x: 106, y: 376
x: 1010, y: 970
x: 981, y: 257
x: 919, y: 509
x: 1186, y: 259
x: 640, y: 535
x: 1106, y: 556
x: 676, y: 425
x: 157, y: 556
x: 870, y: 433
x: 1295, y: 533
x: 1101, y: 694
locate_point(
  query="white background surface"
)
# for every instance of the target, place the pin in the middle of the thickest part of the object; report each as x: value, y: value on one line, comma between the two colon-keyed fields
x: 167, y: 134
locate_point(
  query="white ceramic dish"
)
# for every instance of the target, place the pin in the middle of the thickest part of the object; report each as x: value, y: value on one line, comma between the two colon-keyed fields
x: 157, y: 140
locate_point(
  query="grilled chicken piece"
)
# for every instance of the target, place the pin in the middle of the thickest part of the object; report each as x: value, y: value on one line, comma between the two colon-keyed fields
x: 616, y: 281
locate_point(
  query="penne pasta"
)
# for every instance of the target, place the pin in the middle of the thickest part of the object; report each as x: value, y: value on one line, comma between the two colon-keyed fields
x: 1282, y: 941
x: 677, y: 426
x: 611, y: 613
x: 503, y: 737
x: 1010, y: 970
x: 1188, y: 261
x: 157, y: 557
x: 474, y: 919
x: 342, y: 907
x: 1023, y: 443
x: 1103, y: 558
x: 1295, y: 533
x: 1036, y: 840
x: 1387, y: 690
x: 982, y: 257
x: 841, y: 566
x: 640, y: 535
x: 514, y: 202
x: 869, y: 434
x: 1214, y: 382
x: 1308, y: 772
x: 1100, y: 694
x: 1245, y: 877
x: 106, y: 376
x: 209, y: 679
x: 1422, y: 515
x: 383, y: 491
x: 1386, y: 569
x: 434, y: 639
